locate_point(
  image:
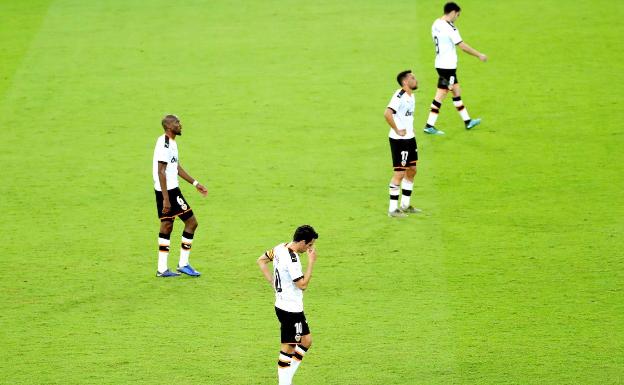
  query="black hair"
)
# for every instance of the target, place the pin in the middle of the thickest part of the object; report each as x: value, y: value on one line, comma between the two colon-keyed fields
x: 305, y: 233
x: 402, y: 76
x: 167, y: 118
x: 450, y: 7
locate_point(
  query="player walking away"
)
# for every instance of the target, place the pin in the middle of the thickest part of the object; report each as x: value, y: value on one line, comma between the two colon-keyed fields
x: 446, y: 37
x: 165, y: 171
x: 289, y: 282
x: 400, y: 116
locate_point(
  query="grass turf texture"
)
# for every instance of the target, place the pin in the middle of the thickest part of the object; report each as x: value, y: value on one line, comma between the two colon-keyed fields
x: 513, y: 274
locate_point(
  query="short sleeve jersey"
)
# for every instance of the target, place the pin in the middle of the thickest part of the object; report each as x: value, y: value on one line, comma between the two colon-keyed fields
x: 286, y: 271
x: 445, y: 37
x: 166, y: 150
x: 402, y: 104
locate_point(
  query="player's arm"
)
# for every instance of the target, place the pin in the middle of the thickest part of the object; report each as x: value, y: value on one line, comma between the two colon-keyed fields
x: 389, y: 115
x: 162, y: 178
x: 185, y: 175
x: 263, y: 262
x: 303, y: 282
x: 471, y: 51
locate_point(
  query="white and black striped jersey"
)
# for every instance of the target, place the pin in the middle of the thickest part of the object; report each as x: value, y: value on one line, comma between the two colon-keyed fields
x: 166, y: 150
x: 402, y: 104
x: 286, y: 271
x: 445, y: 37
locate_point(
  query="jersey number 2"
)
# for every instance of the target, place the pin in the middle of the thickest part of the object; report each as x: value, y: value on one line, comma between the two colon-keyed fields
x: 278, y: 282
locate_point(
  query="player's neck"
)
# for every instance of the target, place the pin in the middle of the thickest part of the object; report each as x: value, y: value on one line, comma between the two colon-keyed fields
x: 408, y: 90
x: 447, y: 19
x: 290, y: 246
x: 170, y: 134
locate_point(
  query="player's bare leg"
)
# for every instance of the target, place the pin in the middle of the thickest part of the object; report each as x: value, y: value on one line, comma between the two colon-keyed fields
x: 166, y: 227
x: 456, y: 90
x: 164, y: 241
x: 436, y: 104
x: 394, y: 188
x: 463, y: 112
x: 441, y: 94
x: 407, y: 185
x: 190, y: 225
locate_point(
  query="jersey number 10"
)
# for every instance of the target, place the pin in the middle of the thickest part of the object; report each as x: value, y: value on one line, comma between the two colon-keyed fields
x: 278, y: 282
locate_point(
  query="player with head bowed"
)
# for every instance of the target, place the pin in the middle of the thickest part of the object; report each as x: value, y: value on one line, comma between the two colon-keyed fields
x: 445, y: 38
x: 289, y: 281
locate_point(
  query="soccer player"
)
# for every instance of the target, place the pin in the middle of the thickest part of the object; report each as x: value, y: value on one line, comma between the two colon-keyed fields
x: 171, y: 203
x: 289, y: 282
x: 446, y: 37
x: 400, y: 116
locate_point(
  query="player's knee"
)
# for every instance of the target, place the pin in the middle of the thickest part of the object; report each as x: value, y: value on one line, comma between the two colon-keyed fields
x: 396, y: 180
x: 191, y: 223
x: 398, y: 175
x: 306, y: 340
x: 166, y: 227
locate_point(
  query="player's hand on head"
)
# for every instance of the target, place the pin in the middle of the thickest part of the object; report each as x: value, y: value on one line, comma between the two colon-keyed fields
x: 311, y: 253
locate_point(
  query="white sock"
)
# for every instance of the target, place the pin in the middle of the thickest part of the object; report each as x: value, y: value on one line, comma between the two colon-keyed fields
x: 185, y: 248
x: 406, y: 193
x: 433, y: 115
x: 394, y: 197
x: 300, y: 352
x: 163, y: 251
x: 463, y: 111
x: 284, y: 374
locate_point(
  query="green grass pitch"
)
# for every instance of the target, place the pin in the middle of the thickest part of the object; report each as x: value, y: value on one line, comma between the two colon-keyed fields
x: 512, y: 275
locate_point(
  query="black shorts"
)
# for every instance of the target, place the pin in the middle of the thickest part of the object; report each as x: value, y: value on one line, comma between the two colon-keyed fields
x: 294, y: 325
x: 179, y: 206
x: 447, y: 77
x: 404, y: 153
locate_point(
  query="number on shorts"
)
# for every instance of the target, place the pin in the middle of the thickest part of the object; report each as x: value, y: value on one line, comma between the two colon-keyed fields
x: 404, y: 155
x: 278, y: 282
x: 299, y: 327
x: 181, y: 203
